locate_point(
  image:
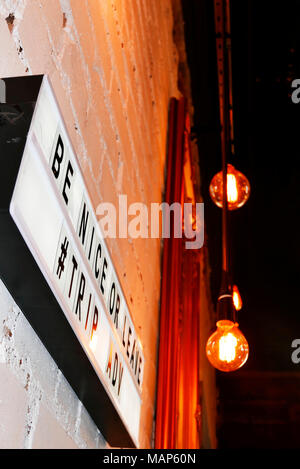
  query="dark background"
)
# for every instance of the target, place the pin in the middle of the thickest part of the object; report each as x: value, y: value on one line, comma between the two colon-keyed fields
x: 264, y: 237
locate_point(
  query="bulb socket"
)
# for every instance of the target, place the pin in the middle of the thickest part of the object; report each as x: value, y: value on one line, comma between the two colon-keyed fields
x: 225, y: 307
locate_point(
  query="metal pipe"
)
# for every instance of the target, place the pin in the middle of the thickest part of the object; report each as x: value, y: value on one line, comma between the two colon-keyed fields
x: 222, y: 11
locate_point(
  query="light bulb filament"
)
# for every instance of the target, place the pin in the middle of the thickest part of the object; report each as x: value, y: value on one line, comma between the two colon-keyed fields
x: 232, y: 191
x: 227, y: 345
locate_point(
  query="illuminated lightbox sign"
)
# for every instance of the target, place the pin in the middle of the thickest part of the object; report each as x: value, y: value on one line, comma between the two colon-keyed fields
x: 52, y: 209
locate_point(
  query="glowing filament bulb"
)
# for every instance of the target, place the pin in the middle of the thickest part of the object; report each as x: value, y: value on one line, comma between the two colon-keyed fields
x: 227, y: 348
x: 238, y: 188
x: 227, y: 345
x: 232, y: 191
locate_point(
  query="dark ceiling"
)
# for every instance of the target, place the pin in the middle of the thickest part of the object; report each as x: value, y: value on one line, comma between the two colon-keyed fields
x: 265, y: 248
x: 258, y: 405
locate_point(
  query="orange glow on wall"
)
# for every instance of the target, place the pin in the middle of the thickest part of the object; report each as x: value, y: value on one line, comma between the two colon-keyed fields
x: 227, y: 348
x: 238, y: 188
x: 178, y: 417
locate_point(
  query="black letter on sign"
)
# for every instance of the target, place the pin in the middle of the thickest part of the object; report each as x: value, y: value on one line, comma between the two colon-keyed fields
x: 98, y: 256
x: 83, y: 223
x: 80, y: 295
x: 121, y: 369
x: 75, y: 265
x: 115, y: 370
x: 103, y: 276
x: 139, y: 372
x: 88, y: 312
x: 95, y: 321
x: 58, y: 157
x: 112, y: 298
x: 117, y: 310
x: 67, y: 182
x: 91, y: 244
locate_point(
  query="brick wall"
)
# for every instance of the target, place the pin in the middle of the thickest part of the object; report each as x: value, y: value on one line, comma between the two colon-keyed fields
x: 38, y: 408
x: 113, y: 66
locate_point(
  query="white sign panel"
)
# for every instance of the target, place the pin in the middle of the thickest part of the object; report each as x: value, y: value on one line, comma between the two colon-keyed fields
x: 52, y: 209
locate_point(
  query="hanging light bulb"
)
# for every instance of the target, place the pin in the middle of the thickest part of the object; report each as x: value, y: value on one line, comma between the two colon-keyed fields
x: 238, y: 188
x: 227, y: 348
x: 237, y: 299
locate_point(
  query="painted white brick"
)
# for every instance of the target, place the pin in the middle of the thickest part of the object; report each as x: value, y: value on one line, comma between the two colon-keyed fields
x: 49, y: 434
x: 33, y: 392
x: 113, y: 66
x: 13, y: 408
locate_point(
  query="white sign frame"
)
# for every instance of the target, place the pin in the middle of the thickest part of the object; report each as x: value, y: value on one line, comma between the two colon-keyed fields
x: 38, y: 193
